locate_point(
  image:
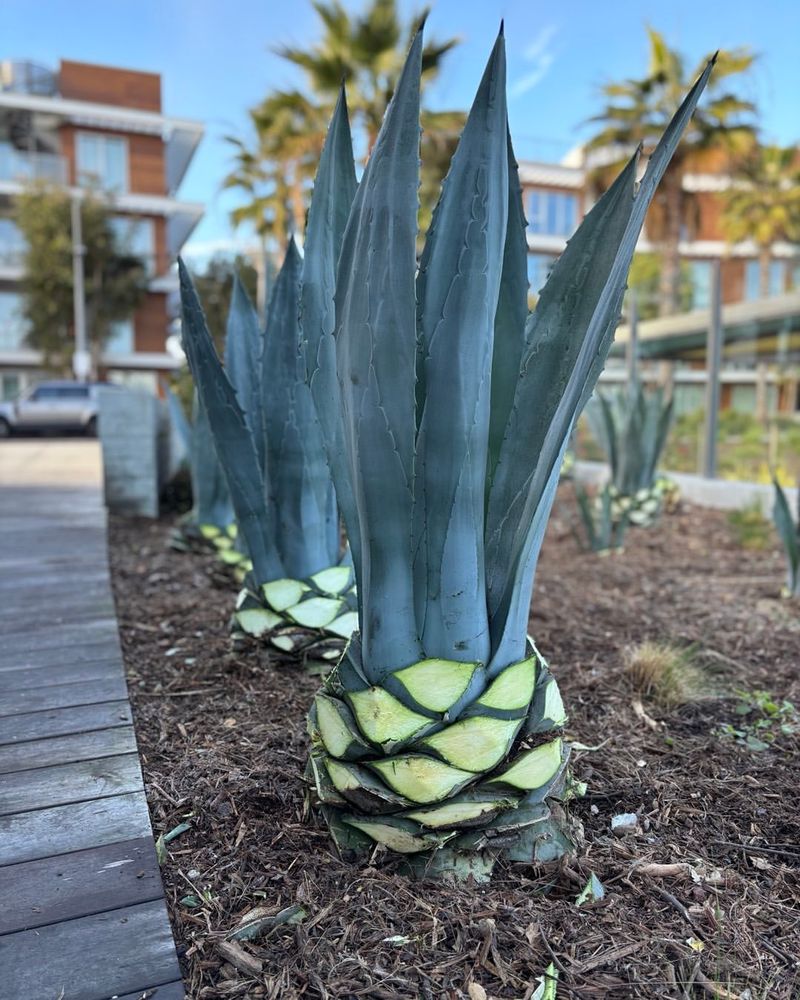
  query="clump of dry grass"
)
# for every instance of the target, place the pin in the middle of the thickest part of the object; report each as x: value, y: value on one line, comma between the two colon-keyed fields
x: 664, y: 674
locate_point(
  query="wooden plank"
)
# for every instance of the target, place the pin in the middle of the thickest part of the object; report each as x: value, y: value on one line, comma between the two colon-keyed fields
x: 25, y: 756
x: 85, y: 653
x: 62, y: 783
x: 44, y: 833
x: 19, y: 679
x: 63, y: 695
x: 39, y: 610
x: 23, y: 640
x: 64, y: 721
x: 91, y: 958
x: 74, y: 885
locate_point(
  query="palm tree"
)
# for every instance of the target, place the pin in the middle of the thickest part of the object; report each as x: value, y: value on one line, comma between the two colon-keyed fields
x: 366, y: 52
x: 764, y: 205
x: 637, y: 112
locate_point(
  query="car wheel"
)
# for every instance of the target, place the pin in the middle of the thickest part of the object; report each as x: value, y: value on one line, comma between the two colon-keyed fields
x: 5, y: 428
x: 91, y: 427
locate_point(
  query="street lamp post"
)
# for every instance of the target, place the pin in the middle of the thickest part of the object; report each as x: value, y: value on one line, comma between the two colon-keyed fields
x: 81, y: 359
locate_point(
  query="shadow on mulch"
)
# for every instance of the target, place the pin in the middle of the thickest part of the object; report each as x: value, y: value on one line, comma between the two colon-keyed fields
x: 223, y: 744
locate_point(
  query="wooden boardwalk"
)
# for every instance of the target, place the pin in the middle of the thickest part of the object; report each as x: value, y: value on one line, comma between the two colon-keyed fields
x: 82, y: 912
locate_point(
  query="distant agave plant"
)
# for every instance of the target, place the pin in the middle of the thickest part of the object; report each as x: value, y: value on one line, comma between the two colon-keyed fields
x: 789, y: 533
x: 450, y: 408
x: 270, y: 446
x: 210, y: 521
x: 631, y: 426
x: 603, y: 528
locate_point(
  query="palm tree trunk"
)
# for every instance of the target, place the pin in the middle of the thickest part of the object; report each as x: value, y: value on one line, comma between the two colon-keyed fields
x: 669, y: 286
x: 764, y: 262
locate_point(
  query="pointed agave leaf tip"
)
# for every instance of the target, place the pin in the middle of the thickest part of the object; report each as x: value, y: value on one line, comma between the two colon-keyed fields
x: 502, y: 30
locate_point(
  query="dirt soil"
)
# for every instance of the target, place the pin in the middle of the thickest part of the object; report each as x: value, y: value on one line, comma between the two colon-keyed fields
x: 223, y: 745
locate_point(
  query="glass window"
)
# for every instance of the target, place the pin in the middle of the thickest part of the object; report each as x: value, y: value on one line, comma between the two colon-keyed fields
x: 700, y: 283
x: 12, y: 242
x: 136, y: 237
x: 44, y: 392
x: 13, y: 327
x: 552, y: 213
x: 102, y: 161
x: 9, y: 386
x: 73, y: 392
x: 120, y: 340
x: 776, y: 281
x: 539, y: 267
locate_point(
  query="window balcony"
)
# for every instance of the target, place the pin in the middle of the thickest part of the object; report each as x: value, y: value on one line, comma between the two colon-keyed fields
x: 20, y: 167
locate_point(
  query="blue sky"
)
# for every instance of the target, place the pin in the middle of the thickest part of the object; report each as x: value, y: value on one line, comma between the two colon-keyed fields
x: 215, y: 59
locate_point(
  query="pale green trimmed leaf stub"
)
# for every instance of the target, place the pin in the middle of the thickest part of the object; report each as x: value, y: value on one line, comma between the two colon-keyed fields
x: 315, y: 612
x: 382, y: 718
x: 209, y: 531
x: 282, y: 594
x: 333, y: 580
x: 478, y: 743
x: 533, y: 768
x: 396, y: 837
x: 421, y: 779
x: 257, y: 621
x: 513, y: 688
x: 333, y: 727
x: 286, y: 643
x: 344, y: 777
x: 231, y: 557
x: 553, y: 705
x: 436, y: 684
x: 453, y: 814
x: 344, y: 625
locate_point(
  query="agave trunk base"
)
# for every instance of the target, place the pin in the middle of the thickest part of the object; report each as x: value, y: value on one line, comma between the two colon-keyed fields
x: 294, y: 616
x: 443, y: 764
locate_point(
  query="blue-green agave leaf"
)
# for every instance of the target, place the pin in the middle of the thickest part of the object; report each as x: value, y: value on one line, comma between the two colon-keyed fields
x: 570, y: 333
x: 300, y: 490
x: 375, y: 346
x: 790, y: 538
x: 458, y: 289
x: 212, y: 502
x: 234, y: 443
x: 243, y: 349
x: 334, y: 190
x: 509, y: 323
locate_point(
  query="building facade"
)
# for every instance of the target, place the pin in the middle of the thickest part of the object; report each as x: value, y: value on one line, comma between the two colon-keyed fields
x: 88, y: 127
x: 558, y: 195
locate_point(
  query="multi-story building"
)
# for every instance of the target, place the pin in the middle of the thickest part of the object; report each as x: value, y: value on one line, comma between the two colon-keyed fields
x: 558, y: 194
x: 99, y: 128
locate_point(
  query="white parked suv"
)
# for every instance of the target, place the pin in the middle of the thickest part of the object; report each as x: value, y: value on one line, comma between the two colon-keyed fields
x: 52, y: 406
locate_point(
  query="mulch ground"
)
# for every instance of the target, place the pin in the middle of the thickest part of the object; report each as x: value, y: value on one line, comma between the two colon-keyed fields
x: 223, y: 744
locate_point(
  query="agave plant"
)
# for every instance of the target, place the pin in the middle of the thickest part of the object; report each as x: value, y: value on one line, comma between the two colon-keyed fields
x: 789, y: 533
x: 631, y: 427
x: 603, y: 528
x: 270, y: 447
x: 439, y: 725
x: 210, y: 521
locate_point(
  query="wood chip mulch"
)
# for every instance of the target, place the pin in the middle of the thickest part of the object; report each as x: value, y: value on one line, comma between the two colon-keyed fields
x: 702, y: 901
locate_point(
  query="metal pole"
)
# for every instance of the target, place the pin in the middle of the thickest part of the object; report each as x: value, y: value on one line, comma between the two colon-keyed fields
x: 632, y: 352
x: 81, y: 359
x: 713, y: 364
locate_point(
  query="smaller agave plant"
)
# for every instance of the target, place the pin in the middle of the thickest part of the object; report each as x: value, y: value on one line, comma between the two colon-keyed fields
x: 603, y: 527
x: 631, y: 426
x: 210, y: 521
x: 789, y: 533
x: 268, y: 438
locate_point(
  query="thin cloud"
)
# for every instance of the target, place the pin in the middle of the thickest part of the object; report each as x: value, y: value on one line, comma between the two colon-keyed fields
x: 540, y: 53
